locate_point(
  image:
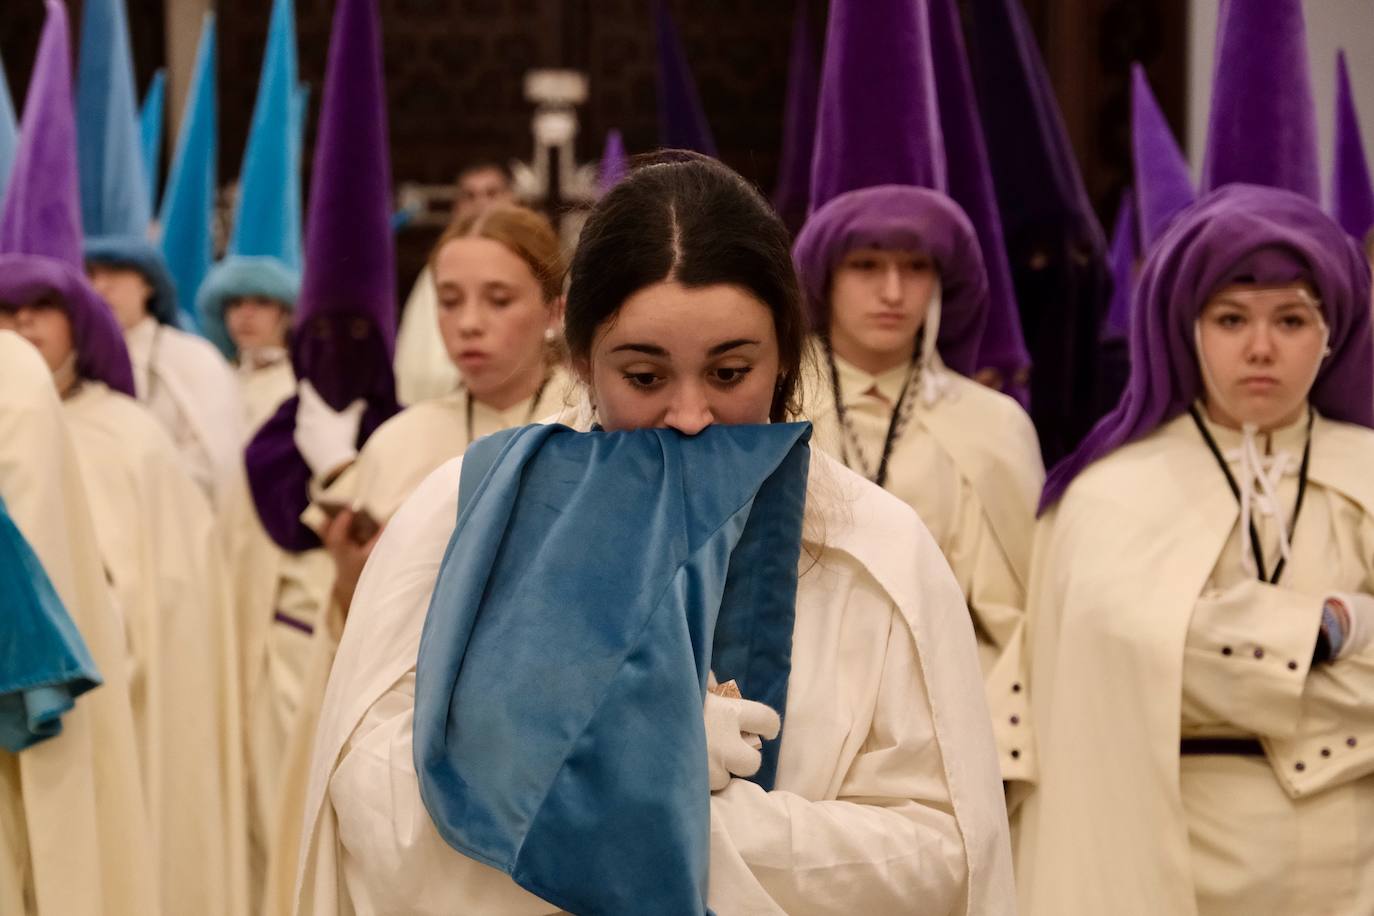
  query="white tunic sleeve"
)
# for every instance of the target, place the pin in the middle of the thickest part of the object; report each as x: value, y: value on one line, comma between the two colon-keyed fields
x: 888, y: 839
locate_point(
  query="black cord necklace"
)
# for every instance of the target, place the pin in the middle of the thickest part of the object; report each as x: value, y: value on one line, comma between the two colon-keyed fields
x: 529, y: 418
x: 1255, y: 545
x: 894, y: 426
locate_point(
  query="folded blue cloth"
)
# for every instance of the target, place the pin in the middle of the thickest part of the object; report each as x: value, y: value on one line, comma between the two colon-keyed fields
x: 588, y: 583
x: 44, y: 664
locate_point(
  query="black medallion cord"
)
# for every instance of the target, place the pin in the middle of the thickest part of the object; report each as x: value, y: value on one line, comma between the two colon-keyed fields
x: 894, y: 426
x: 534, y: 405
x: 1255, y: 545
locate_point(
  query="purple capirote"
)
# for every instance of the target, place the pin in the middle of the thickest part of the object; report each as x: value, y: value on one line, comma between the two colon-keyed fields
x: 901, y: 218
x: 344, y: 335
x: 1240, y: 233
x: 1352, y: 192
x: 1163, y: 186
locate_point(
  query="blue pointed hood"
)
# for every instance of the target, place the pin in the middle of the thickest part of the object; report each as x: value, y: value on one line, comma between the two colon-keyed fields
x: 9, y: 133
x: 682, y: 123
x: 114, y: 189
x: 151, y: 118
x: 267, y: 221
x: 189, y: 204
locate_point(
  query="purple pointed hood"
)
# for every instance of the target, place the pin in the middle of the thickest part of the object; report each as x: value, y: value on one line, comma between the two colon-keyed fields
x: 344, y: 334
x: 792, y: 195
x: 40, y: 229
x: 1003, y: 347
x: 877, y: 121
x: 1352, y: 194
x: 1263, y: 125
x: 1125, y: 252
x: 1163, y: 186
x: 682, y: 122
x: 1240, y: 232
x: 905, y: 218
x: 615, y: 164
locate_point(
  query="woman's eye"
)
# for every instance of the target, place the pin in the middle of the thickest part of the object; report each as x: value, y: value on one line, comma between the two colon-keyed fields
x: 863, y: 264
x: 1229, y: 320
x: 641, y: 379
x: 500, y: 301
x: 731, y: 375
x: 1293, y: 322
x: 449, y: 303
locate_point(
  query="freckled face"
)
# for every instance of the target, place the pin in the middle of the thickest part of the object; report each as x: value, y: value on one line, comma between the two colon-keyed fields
x: 683, y: 358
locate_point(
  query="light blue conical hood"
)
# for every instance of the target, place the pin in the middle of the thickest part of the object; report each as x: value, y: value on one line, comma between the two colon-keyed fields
x: 9, y: 133
x: 151, y: 118
x: 188, y: 206
x: 114, y: 186
x: 267, y: 221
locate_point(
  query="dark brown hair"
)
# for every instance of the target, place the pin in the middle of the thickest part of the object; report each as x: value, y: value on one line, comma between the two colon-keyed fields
x: 684, y: 217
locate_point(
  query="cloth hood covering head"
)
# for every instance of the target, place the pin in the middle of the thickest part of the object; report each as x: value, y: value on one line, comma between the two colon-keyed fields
x: 1352, y: 193
x: 898, y: 217
x: 1163, y: 185
x: 40, y: 229
x: 682, y: 122
x: 114, y: 190
x: 188, y: 205
x: 344, y: 335
x: 1262, y: 128
x: 1241, y: 233
x: 1055, y: 245
x: 9, y: 132
x: 1002, y: 347
x: 792, y: 196
x: 877, y: 122
x: 615, y: 165
x: 234, y: 278
x: 697, y: 560
x: 135, y: 252
x: 150, y: 121
x: 44, y: 663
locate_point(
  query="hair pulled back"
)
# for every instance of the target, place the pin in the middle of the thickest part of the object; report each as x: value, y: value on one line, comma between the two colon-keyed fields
x: 686, y: 218
x: 527, y: 234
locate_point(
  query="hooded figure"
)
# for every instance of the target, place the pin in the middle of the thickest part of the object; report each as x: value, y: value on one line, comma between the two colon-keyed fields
x: 1262, y: 128
x: 898, y: 293
x: 1056, y: 248
x: 179, y: 376
x: 682, y: 123
x: 1202, y: 588
x: 792, y: 196
x: 84, y: 846
x: 1352, y: 192
x: 154, y: 531
x: 344, y: 333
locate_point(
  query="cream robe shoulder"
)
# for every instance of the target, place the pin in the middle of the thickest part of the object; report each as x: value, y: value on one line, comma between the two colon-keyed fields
x: 888, y: 789
x: 423, y: 367
x: 1119, y: 566
x: 162, y: 553
x: 77, y: 802
x: 264, y: 390
x: 204, y: 388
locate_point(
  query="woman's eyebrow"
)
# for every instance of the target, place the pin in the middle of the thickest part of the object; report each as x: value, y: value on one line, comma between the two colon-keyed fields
x: 646, y: 348
x: 728, y: 345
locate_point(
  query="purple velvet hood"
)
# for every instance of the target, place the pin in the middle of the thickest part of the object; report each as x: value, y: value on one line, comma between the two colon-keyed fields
x: 1238, y: 233
x: 906, y: 218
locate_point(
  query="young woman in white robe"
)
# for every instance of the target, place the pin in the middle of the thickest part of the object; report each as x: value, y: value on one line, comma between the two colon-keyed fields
x: 498, y: 276
x: 898, y: 296
x: 158, y: 543
x: 1201, y: 661
x: 683, y: 312
x: 73, y: 826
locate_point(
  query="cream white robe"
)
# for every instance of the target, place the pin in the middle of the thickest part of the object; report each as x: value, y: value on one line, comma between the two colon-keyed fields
x: 74, y: 837
x: 263, y: 389
x: 887, y: 793
x: 970, y: 466
x: 1144, y: 629
x: 397, y: 457
x: 192, y: 391
x: 423, y: 367
x: 161, y: 555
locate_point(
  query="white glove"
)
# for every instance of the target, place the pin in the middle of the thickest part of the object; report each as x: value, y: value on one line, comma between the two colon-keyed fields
x: 733, y: 732
x: 326, y: 438
x: 1355, y: 614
